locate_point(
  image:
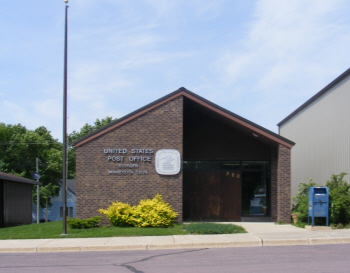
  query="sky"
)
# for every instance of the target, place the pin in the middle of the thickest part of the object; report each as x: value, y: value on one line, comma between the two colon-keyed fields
x: 258, y: 59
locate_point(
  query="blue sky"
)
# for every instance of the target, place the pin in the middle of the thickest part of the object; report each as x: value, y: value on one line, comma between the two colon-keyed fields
x: 258, y: 59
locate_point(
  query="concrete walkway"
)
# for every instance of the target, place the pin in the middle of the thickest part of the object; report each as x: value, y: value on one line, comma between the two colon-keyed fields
x: 259, y: 234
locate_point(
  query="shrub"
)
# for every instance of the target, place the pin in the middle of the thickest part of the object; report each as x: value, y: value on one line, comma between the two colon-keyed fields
x: 301, y: 200
x: 339, y: 199
x: 119, y: 214
x: 212, y: 228
x: 84, y: 223
x: 154, y: 213
x: 148, y: 213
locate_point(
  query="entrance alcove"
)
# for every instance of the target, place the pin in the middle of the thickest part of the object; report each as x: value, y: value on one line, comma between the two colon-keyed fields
x: 226, y: 168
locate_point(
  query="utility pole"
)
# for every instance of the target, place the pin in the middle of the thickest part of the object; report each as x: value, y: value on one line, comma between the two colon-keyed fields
x: 64, y: 181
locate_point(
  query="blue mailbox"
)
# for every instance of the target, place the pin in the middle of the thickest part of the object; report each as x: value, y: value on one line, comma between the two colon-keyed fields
x: 318, y: 203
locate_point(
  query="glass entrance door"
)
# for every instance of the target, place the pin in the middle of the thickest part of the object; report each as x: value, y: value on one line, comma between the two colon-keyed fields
x: 256, y: 189
x: 225, y: 190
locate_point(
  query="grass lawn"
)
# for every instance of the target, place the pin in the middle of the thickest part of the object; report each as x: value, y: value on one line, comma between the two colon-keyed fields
x: 54, y: 229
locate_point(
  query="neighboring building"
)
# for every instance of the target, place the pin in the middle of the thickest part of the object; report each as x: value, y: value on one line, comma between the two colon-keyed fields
x: 55, y: 211
x: 207, y: 162
x: 321, y: 130
x: 15, y: 200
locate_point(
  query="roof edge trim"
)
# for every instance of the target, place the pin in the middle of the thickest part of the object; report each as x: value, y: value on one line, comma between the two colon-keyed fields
x: 186, y: 93
x: 129, y: 117
x: 316, y: 96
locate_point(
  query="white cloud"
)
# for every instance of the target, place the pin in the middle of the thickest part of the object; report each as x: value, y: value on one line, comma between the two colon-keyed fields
x: 260, y: 59
x: 291, y: 51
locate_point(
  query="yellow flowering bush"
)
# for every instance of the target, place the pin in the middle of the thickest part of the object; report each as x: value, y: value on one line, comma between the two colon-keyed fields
x: 119, y: 214
x: 148, y: 213
x: 154, y: 213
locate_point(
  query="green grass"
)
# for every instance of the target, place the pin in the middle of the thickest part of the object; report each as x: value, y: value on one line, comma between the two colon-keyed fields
x: 54, y: 229
x: 212, y: 228
x: 299, y: 224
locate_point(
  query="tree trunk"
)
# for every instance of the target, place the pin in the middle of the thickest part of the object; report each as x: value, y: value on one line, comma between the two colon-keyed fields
x: 46, y: 214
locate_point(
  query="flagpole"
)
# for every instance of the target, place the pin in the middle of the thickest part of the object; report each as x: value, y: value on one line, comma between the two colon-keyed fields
x: 64, y: 159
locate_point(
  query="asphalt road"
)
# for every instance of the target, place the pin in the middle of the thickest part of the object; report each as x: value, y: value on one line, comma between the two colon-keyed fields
x: 316, y: 258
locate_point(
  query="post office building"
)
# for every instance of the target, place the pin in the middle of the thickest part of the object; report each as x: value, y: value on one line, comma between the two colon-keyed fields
x: 208, y: 163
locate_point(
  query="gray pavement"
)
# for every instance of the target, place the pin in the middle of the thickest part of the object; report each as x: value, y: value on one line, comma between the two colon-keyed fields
x: 259, y: 234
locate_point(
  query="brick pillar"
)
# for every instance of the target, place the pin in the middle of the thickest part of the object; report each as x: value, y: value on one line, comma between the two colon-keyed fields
x: 283, y: 184
x: 274, y: 158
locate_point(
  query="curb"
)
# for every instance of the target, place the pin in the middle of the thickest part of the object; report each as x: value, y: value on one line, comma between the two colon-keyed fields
x: 122, y: 247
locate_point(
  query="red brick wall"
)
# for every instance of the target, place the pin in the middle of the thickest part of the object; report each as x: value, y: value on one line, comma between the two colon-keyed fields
x: 283, y: 185
x: 280, y: 184
x: 274, y: 163
x: 160, y: 128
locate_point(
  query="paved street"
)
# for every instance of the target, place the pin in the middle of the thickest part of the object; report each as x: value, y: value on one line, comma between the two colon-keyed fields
x: 310, y: 258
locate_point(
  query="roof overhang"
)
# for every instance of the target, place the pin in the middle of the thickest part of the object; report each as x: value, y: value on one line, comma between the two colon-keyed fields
x: 14, y: 178
x: 258, y: 130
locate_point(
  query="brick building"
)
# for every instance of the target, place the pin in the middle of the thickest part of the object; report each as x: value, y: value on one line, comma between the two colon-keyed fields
x: 207, y: 162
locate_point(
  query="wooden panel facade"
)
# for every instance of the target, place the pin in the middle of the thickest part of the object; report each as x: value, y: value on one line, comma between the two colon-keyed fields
x: 212, y: 195
x: 209, y: 136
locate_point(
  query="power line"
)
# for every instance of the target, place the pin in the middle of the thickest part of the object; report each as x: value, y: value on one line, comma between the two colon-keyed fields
x: 28, y: 143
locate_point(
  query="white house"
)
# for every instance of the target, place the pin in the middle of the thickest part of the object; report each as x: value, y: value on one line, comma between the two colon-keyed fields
x: 55, y: 211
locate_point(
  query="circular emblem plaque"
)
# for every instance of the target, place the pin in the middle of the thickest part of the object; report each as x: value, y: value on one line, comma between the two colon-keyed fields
x: 168, y: 161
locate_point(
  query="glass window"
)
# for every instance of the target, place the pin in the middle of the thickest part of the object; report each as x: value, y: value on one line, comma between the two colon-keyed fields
x: 255, y: 165
x: 211, y: 165
x: 255, y: 193
x: 69, y: 212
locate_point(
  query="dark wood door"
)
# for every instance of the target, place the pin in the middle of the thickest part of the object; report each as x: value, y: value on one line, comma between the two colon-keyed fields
x: 212, y: 195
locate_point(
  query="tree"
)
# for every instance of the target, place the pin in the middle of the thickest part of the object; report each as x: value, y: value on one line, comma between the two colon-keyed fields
x: 301, y: 200
x: 18, y: 152
x: 19, y: 148
x: 339, y: 199
x: 85, y: 130
x: 45, y: 193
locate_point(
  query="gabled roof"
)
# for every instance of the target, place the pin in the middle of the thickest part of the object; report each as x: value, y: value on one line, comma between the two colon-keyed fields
x: 188, y: 94
x: 71, y: 183
x: 15, y: 178
x: 318, y: 95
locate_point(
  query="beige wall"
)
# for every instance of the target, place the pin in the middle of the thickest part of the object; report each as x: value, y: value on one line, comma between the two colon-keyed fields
x: 321, y: 132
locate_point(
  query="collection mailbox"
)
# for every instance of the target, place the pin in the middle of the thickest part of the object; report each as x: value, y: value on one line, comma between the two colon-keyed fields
x: 318, y: 203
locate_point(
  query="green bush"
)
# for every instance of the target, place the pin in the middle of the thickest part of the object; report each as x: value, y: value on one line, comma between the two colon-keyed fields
x: 148, y: 213
x: 84, y: 223
x: 301, y: 200
x: 212, y: 228
x: 119, y: 214
x: 339, y: 199
x: 154, y: 213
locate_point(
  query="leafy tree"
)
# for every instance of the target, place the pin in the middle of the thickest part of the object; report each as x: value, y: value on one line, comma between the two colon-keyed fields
x: 45, y: 193
x: 301, y: 200
x: 339, y: 203
x: 18, y: 152
x: 339, y: 200
x: 19, y: 148
x: 85, y: 130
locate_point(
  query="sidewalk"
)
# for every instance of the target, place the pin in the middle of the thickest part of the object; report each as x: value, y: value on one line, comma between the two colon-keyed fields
x: 259, y: 234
